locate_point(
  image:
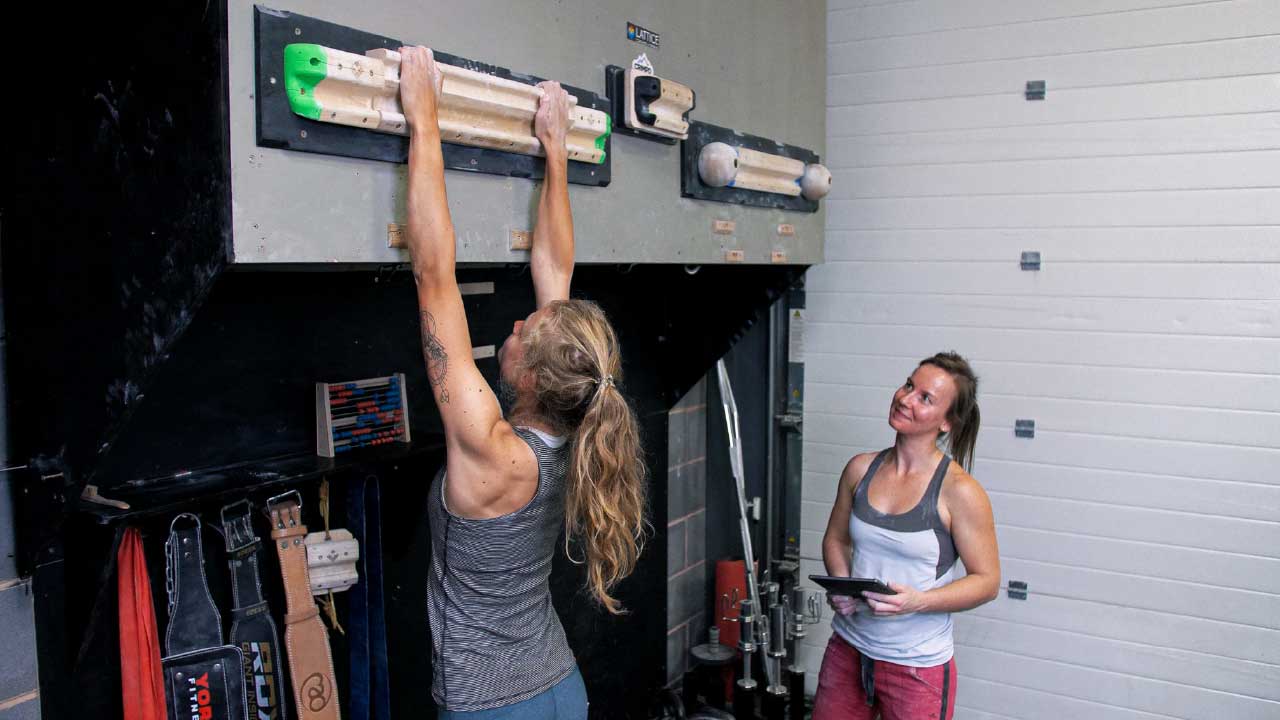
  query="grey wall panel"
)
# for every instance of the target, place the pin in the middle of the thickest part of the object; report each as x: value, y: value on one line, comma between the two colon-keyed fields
x: 26, y: 710
x: 757, y: 67
x: 17, y: 661
x: 8, y: 567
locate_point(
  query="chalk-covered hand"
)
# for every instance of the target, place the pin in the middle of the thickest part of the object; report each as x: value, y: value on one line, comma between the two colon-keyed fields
x: 555, y: 115
x: 420, y: 83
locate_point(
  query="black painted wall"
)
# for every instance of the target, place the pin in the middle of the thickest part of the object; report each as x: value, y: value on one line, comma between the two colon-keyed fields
x: 116, y: 211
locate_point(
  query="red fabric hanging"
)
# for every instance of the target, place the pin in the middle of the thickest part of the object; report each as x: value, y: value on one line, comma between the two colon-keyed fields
x: 141, y: 681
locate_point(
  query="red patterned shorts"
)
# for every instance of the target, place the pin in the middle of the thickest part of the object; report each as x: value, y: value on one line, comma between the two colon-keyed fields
x: 897, y: 692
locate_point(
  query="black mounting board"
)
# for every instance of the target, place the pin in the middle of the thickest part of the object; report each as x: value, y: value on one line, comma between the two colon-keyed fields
x: 691, y: 184
x: 264, y: 477
x: 615, y: 85
x: 279, y: 127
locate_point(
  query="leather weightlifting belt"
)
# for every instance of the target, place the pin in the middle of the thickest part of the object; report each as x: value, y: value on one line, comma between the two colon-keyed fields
x: 310, y: 659
x: 252, y: 629
x: 203, y: 678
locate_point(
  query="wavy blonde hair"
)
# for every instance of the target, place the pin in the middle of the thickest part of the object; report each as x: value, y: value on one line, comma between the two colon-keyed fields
x: 573, y: 358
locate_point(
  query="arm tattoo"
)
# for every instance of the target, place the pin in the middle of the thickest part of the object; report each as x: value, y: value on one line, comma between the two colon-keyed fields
x: 433, y: 352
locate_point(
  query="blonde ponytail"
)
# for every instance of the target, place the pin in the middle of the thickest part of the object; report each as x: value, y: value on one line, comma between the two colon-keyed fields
x: 604, y: 502
x: 574, y: 357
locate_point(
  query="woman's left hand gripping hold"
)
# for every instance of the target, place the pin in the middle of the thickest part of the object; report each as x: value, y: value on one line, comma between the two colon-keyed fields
x: 554, y: 118
x: 420, y: 85
x: 551, y: 262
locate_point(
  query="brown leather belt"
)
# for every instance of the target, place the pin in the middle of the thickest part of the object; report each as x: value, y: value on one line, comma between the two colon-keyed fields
x: 305, y: 637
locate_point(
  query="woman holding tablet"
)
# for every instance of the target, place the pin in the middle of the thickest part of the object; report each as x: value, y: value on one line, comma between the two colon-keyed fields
x: 904, y: 515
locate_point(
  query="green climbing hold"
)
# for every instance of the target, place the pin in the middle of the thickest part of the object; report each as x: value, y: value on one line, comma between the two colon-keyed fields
x: 600, y: 141
x: 305, y: 65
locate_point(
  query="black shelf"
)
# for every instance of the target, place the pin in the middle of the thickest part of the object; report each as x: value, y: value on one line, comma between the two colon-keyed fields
x: 260, y: 478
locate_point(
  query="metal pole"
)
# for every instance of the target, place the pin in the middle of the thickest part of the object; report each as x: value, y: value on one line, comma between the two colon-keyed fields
x: 744, y: 694
x: 735, y: 464
x: 770, y: 452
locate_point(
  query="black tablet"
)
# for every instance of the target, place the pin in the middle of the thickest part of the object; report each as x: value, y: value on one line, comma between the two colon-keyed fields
x: 853, y: 587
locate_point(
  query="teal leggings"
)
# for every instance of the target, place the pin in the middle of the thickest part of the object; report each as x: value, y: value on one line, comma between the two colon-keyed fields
x: 566, y: 700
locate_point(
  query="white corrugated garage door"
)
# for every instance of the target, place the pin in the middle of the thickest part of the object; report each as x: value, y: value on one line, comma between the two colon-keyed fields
x: 1145, y: 513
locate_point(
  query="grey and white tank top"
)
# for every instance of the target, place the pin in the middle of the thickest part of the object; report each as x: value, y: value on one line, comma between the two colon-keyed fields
x: 495, y: 637
x: 912, y: 548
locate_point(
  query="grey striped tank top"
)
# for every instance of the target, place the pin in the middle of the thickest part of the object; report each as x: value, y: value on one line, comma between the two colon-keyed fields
x: 912, y: 548
x: 495, y: 637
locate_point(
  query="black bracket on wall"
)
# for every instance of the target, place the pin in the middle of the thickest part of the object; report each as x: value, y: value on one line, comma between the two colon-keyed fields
x: 691, y: 185
x: 43, y: 491
x: 279, y: 127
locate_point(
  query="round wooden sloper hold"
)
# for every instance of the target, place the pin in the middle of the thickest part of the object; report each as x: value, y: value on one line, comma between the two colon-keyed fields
x: 717, y: 164
x: 816, y: 182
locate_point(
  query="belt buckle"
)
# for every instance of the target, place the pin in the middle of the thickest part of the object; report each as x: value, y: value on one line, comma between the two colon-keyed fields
x: 173, y: 524
x: 277, y: 500
x: 238, y: 526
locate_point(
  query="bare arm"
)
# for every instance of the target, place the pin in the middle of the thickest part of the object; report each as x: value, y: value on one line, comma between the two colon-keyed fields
x: 551, y: 261
x: 973, y: 530
x: 475, y: 434
x: 837, y: 545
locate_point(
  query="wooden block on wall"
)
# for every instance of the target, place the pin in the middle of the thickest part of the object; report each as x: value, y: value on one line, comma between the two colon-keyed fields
x: 395, y: 236
x: 521, y: 240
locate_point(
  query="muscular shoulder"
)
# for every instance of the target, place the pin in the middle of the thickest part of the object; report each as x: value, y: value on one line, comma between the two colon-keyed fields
x: 494, y: 480
x: 855, y: 469
x: 962, y: 492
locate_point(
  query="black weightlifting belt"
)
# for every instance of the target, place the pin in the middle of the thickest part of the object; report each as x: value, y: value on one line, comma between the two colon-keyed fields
x: 203, y: 679
x: 252, y: 629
